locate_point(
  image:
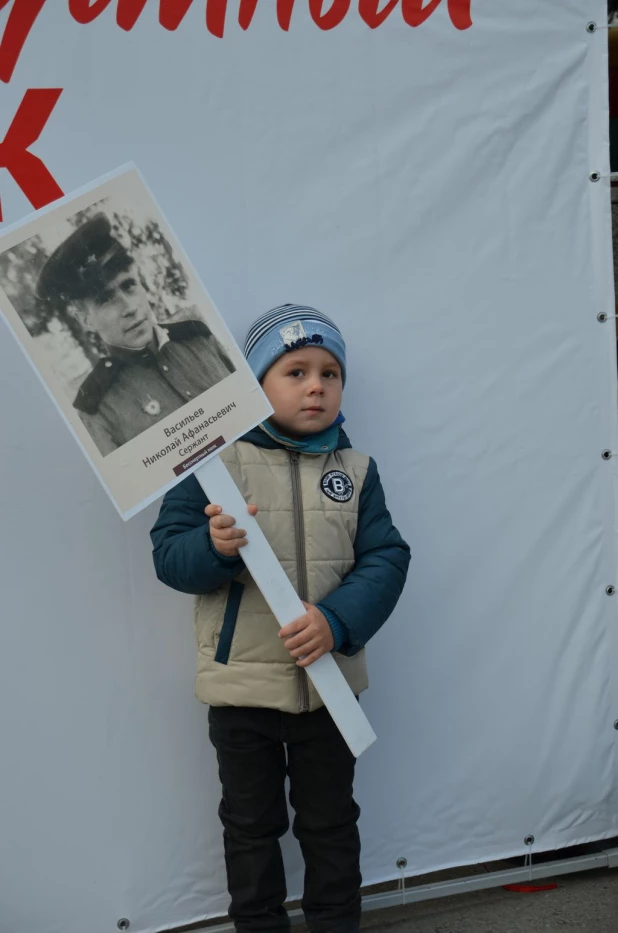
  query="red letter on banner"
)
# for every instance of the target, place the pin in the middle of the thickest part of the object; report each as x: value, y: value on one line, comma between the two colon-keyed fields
x: 171, y: 13
x: 128, y: 13
x: 284, y: 13
x: 32, y: 176
x: 21, y: 20
x: 368, y: 11
x: 83, y: 11
x: 215, y: 17
x: 414, y: 13
x: 460, y: 13
x: 335, y: 15
x: 246, y: 12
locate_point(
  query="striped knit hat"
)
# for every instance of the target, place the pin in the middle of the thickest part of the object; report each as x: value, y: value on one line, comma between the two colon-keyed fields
x: 287, y: 328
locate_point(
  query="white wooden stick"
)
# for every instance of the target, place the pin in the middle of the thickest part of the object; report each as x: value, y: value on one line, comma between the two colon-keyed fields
x: 284, y: 603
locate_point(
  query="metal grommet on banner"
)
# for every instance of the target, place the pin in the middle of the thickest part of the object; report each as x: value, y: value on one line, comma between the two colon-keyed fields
x: 123, y: 924
x: 616, y: 725
x: 607, y: 455
x: 594, y: 176
x: 610, y: 590
x: 402, y: 864
x: 602, y: 317
x: 529, y: 841
x: 591, y: 27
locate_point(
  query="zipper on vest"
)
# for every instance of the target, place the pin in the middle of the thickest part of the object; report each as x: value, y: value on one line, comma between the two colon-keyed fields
x: 301, y: 565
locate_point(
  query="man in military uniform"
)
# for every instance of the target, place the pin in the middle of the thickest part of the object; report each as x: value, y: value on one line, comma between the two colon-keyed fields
x: 149, y: 371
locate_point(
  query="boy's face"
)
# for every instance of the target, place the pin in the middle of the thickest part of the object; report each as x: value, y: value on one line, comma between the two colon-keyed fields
x: 304, y: 387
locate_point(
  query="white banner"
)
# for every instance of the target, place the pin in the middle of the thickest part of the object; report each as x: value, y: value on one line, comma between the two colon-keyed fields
x: 421, y: 174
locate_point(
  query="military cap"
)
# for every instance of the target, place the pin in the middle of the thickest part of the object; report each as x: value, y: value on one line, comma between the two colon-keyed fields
x: 84, y: 263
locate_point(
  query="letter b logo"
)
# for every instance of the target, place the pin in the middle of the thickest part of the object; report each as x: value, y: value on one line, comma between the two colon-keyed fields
x: 337, y: 486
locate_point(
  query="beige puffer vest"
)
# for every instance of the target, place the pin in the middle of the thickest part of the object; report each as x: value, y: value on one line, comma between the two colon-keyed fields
x: 313, y: 538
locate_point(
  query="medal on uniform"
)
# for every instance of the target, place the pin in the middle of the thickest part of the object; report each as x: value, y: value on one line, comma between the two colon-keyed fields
x: 152, y: 407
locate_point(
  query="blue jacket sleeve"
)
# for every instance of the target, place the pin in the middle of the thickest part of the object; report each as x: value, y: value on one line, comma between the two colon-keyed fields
x: 183, y: 553
x: 369, y: 593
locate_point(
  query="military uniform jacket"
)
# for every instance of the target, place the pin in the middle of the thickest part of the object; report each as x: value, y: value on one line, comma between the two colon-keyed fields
x: 326, y: 519
x: 130, y: 390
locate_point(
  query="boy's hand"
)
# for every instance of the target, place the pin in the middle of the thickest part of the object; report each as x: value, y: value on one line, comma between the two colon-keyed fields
x: 309, y: 637
x: 226, y: 537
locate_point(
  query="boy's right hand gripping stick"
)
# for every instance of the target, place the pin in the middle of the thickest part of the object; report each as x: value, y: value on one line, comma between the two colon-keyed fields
x: 286, y: 606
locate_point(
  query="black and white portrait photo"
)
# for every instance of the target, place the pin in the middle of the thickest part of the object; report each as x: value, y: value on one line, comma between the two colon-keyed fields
x: 110, y: 305
x: 119, y: 328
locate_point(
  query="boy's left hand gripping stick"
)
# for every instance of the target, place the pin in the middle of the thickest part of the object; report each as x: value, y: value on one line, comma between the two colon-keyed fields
x: 284, y: 603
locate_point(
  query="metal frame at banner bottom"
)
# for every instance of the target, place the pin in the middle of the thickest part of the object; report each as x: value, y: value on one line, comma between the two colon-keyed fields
x: 607, y: 858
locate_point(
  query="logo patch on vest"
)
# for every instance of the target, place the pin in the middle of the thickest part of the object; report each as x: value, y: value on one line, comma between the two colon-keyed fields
x: 337, y: 486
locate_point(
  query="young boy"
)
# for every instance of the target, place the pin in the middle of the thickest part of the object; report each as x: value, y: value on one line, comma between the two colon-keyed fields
x: 322, y: 508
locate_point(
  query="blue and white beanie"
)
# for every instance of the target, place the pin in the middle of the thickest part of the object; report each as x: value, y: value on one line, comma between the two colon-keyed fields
x: 288, y: 328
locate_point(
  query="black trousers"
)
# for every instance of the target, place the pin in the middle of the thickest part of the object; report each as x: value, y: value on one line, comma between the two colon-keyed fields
x: 251, y: 747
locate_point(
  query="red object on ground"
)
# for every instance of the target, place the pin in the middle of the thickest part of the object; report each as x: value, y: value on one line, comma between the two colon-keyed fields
x: 529, y: 888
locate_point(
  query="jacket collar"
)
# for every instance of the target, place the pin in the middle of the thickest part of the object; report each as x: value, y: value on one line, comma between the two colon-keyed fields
x: 333, y: 438
x: 323, y: 443
x: 160, y: 336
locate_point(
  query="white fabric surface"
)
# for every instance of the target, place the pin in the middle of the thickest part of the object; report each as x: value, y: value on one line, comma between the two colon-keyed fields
x: 428, y: 189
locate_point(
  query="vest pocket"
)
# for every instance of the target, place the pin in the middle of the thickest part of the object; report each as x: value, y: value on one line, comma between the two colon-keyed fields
x: 229, y: 622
